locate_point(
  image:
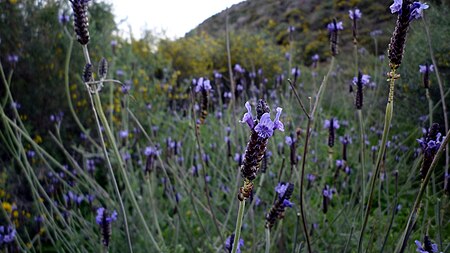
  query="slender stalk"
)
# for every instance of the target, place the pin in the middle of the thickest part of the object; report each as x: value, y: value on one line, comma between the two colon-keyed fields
x: 237, y: 231
x: 305, y: 153
x: 414, y: 212
x: 430, y: 107
x: 394, y: 210
x: 387, y: 124
x: 363, y: 157
x: 98, y: 113
x: 267, y: 240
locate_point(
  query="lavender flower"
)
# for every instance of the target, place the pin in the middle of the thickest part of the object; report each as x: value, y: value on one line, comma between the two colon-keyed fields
x: 425, y: 70
x: 123, y: 134
x: 7, y: 235
x: 239, y: 69
x: 284, y: 191
x: 327, y: 193
x: 332, y: 125
x: 63, y: 18
x: 427, y: 246
x: 315, y: 58
x: 13, y: 58
x: 430, y: 145
x: 296, y: 73
x: 202, y: 84
x: 335, y: 26
x: 257, y: 144
x: 354, y: 14
x: 104, y: 220
x: 406, y: 13
x: 360, y: 81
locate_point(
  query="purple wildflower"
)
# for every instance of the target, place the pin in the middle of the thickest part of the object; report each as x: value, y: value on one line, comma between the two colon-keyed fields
x: 427, y: 246
x: 354, y: 14
x: 63, y: 18
x: 365, y: 80
x: 332, y: 27
x: 239, y: 69
x: 202, y: 84
x: 123, y: 134
x: 13, y: 58
x: 423, y: 68
x: 315, y: 58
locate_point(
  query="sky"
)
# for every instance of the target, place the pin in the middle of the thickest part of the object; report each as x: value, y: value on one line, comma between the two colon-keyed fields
x: 174, y: 17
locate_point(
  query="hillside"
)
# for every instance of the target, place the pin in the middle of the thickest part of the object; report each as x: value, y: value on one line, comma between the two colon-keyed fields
x: 309, y: 17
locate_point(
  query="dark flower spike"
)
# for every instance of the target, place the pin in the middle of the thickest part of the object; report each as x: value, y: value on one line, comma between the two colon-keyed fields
x: 102, y: 68
x: 87, y: 73
x: 332, y: 125
x: 203, y: 85
x: 430, y: 145
x: 407, y: 11
x: 333, y: 29
x: 425, y: 70
x: 262, y: 128
x: 80, y: 20
x: 360, y: 81
x: 104, y: 220
x: 427, y: 246
x: 277, y: 211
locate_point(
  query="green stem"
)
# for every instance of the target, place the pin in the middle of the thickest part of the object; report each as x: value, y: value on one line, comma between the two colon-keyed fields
x: 387, y: 124
x: 237, y: 231
x: 363, y: 157
x: 267, y: 240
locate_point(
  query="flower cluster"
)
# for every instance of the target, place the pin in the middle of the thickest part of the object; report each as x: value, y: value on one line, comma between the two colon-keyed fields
x: 284, y: 191
x: 327, y: 193
x: 415, y: 9
x: 335, y: 26
x: 262, y: 128
x: 331, y: 125
x: 202, y: 84
x: 427, y: 246
x: 360, y: 81
x: 265, y: 126
x: 7, y: 234
x: 425, y: 70
x: 406, y: 11
x: 354, y: 14
x: 104, y: 219
x: 430, y: 145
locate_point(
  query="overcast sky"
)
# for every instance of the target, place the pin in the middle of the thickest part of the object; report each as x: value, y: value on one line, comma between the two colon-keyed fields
x: 175, y: 17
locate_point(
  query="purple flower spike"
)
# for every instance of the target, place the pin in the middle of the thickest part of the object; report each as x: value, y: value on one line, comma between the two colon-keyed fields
x: 248, y: 117
x: 265, y: 126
